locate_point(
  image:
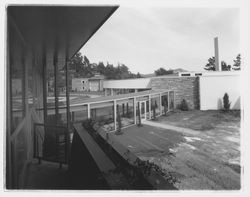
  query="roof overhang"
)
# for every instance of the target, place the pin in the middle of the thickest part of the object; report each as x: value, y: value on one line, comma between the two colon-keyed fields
x: 56, y: 32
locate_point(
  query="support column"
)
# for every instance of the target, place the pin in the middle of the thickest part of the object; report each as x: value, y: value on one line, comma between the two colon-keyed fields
x: 56, y: 90
x: 168, y: 101
x: 112, y: 92
x: 88, y: 109
x: 67, y: 96
x: 160, y: 105
x: 134, y: 110
x: 149, y: 106
x: 44, y: 64
x: 115, y: 114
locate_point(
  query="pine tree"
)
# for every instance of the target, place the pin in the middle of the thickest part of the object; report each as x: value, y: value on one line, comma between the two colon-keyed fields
x: 211, y: 64
x: 237, y: 63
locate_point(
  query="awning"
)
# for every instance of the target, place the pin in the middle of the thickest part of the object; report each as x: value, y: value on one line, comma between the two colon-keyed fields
x: 57, y: 31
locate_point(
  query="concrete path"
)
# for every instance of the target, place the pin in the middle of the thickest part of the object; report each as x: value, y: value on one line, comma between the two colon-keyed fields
x: 170, y: 127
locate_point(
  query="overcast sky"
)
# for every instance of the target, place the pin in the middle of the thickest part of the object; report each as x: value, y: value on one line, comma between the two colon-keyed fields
x: 146, y: 38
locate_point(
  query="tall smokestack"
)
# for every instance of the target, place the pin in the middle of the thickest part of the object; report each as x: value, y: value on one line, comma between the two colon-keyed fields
x: 216, y: 54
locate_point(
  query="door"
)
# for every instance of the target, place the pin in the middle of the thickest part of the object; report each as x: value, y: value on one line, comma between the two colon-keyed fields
x: 143, y: 110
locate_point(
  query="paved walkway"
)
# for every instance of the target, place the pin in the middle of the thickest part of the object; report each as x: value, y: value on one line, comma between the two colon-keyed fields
x: 170, y: 127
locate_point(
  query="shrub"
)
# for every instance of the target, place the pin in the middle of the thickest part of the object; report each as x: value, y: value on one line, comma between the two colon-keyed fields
x: 226, y: 102
x: 184, y: 105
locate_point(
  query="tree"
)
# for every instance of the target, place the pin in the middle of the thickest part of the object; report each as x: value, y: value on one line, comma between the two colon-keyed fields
x: 226, y: 102
x: 76, y: 63
x: 225, y: 67
x: 163, y: 71
x: 211, y: 64
x: 237, y: 63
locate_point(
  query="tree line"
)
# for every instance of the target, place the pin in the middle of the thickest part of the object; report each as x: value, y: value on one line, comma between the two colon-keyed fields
x: 224, y: 66
x: 84, y: 68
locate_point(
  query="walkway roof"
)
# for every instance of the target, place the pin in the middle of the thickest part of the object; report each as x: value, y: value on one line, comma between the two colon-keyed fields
x: 56, y: 31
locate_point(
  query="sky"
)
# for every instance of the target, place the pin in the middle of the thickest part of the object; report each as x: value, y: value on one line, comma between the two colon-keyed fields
x: 147, y: 38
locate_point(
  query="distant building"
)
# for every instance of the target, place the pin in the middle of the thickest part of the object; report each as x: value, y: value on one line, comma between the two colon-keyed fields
x: 93, y: 84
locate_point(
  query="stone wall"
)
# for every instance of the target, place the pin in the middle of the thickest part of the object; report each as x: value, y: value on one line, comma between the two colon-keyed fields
x: 185, y: 88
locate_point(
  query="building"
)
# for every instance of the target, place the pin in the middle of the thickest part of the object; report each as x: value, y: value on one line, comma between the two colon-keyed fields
x: 93, y: 84
x: 197, y: 88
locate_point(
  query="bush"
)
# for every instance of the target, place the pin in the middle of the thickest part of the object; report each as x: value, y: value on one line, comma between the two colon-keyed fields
x: 184, y: 105
x: 226, y: 102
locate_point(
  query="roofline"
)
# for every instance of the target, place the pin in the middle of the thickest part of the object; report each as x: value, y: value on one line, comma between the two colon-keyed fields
x: 103, y: 21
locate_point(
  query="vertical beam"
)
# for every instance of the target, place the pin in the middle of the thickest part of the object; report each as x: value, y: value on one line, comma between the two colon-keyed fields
x: 135, y: 110
x: 88, y: 109
x: 112, y: 92
x: 216, y: 54
x: 44, y: 88
x: 160, y: 105
x: 149, y: 106
x: 9, y: 167
x: 115, y: 114
x: 168, y: 100
x: 67, y: 94
x: 56, y: 88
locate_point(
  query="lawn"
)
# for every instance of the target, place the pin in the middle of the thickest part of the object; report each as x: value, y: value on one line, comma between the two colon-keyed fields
x: 209, y: 160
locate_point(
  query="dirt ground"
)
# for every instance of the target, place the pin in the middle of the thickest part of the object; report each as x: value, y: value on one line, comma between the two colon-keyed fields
x: 209, y: 160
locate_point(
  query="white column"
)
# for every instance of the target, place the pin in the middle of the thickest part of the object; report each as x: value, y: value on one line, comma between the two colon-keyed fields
x: 112, y: 92
x: 115, y: 114
x: 160, y: 105
x: 168, y: 101
x: 88, y: 108
x: 149, y: 106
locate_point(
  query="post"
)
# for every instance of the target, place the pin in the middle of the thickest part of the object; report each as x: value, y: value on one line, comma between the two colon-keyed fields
x: 216, y: 54
x: 115, y: 114
x: 149, y: 106
x: 56, y: 89
x: 67, y: 105
x: 168, y: 100
x: 160, y: 105
x: 88, y: 109
x: 135, y: 110
x: 44, y: 88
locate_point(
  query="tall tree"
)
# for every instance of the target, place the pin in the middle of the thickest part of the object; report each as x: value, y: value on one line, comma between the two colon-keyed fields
x: 211, y: 64
x: 237, y: 63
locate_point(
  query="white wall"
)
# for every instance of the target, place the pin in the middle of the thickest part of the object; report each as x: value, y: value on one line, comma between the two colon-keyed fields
x: 213, y: 88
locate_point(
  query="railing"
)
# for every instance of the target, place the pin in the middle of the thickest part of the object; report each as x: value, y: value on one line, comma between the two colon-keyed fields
x: 51, y: 143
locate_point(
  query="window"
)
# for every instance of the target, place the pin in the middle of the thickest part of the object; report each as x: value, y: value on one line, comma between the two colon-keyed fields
x: 188, y: 74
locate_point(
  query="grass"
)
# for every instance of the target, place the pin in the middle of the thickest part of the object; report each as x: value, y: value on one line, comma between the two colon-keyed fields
x: 200, y: 120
